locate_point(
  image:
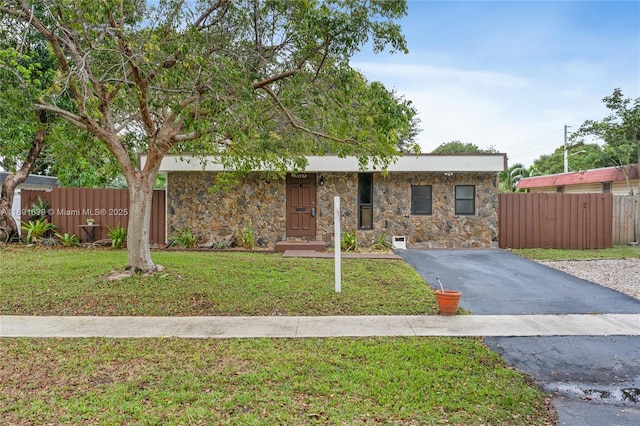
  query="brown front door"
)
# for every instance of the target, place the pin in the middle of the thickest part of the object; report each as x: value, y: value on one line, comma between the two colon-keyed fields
x: 301, y: 205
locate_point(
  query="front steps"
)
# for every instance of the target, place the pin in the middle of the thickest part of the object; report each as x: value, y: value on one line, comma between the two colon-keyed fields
x: 282, y: 246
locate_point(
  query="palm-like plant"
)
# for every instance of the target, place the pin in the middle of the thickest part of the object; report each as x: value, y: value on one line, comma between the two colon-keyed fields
x: 37, y: 229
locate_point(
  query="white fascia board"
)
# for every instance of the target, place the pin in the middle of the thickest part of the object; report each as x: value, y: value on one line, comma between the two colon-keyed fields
x: 329, y: 163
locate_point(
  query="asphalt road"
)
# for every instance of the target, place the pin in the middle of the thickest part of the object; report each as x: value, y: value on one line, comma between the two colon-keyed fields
x: 593, y: 380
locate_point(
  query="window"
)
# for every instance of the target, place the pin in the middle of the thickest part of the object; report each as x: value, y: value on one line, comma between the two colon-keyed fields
x: 365, y: 200
x: 606, y: 187
x: 465, y: 199
x: 559, y: 189
x: 421, y: 199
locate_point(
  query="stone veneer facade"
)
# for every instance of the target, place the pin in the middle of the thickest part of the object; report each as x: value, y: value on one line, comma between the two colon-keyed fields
x: 213, y: 216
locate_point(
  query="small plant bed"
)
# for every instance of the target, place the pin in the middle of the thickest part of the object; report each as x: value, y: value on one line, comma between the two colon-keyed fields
x: 375, y: 381
x: 74, y: 282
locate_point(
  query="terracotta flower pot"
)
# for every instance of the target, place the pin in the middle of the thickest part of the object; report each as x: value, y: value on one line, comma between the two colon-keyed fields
x: 448, y: 301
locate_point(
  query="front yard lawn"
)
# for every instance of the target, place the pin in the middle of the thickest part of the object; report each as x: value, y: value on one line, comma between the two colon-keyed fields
x: 38, y: 281
x: 354, y: 381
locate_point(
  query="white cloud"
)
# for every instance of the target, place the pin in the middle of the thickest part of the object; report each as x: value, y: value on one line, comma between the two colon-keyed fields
x: 436, y: 74
x: 511, y: 74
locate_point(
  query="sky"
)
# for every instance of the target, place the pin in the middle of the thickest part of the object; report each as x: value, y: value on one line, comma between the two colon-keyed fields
x: 510, y: 74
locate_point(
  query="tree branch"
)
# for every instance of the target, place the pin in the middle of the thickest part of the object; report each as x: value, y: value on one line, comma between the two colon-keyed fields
x: 70, y: 117
x: 220, y: 4
x: 291, y: 119
x: 265, y: 82
x: 140, y: 82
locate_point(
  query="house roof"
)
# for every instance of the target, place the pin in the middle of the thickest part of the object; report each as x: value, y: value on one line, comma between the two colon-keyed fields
x: 331, y: 163
x: 34, y: 180
x: 606, y: 174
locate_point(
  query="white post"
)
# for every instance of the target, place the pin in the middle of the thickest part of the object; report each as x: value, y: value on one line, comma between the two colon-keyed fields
x: 337, y: 238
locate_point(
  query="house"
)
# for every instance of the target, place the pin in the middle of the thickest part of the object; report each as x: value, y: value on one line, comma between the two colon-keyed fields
x: 432, y: 200
x: 607, y: 179
x: 35, y: 182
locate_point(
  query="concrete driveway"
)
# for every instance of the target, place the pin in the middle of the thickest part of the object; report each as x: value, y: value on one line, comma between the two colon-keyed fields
x: 593, y: 380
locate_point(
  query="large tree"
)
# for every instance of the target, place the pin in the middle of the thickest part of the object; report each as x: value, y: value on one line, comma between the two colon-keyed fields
x: 258, y: 83
x: 23, y: 77
x: 581, y: 156
x: 33, y: 140
x: 620, y: 131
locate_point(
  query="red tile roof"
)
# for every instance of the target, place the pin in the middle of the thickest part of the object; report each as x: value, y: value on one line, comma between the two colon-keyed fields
x: 607, y: 174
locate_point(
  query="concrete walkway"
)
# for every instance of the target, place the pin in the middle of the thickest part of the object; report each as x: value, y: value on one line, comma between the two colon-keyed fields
x: 329, y: 326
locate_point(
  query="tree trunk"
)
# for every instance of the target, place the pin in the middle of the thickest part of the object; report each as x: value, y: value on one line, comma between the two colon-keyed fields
x: 140, y: 202
x: 7, y: 224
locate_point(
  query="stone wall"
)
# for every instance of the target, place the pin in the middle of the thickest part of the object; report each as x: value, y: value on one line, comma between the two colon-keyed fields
x: 443, y: 228
x: 213, y: 216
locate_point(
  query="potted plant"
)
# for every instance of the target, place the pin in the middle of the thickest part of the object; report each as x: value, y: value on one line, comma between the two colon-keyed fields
x: 90, y: 221
x: 447, y: 300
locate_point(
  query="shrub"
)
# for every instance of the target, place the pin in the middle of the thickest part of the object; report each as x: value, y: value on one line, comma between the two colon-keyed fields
x: 247, y: 236
x: 381, y: 242
x: 68, y: 239
x: 38, y: 210
x: 37, y: 229
x: 349, y: 241
x: 49, y: 241
x: 221, y: 245
x: 186, y: 238
x: 118, y: 236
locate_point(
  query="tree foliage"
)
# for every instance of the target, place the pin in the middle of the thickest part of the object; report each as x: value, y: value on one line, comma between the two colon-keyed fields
x: 458, y: 147
x: 510, y: 177
x: 620, y: 130
x: 256, y: 83
x: 29, y: 74
x: 580, y: 156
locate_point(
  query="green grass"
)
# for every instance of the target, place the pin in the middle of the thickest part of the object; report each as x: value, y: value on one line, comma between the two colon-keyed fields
x: 73, y: 282
x: 617, y: 252
x: 338, y: 381
x: 335, y: 381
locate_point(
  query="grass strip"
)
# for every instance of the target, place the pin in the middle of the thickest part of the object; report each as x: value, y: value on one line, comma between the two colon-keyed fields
x: 616, y: 252
x: 426, y: 381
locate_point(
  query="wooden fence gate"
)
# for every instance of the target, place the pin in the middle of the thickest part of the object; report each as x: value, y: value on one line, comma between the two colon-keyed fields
x: 564, y: 221
x: 626, y: 214
x: 69, y: 208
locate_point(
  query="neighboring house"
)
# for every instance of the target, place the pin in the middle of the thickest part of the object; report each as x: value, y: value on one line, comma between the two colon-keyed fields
x: 607, y: 179
x: 36, y: 182
x: 432, y: 200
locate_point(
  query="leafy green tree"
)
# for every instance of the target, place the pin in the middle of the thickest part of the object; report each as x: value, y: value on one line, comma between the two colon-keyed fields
x: 581, y: 156
x: 620, y: 131
x: 253, y: 82
x: 22, y: 130
x: 457, y: 147
x: 32, y: 140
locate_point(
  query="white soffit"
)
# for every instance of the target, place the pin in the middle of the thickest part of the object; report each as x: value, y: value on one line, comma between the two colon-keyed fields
x: 328, y: 163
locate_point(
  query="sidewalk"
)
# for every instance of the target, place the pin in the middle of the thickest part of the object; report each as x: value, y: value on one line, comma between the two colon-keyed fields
x: 329, y: 326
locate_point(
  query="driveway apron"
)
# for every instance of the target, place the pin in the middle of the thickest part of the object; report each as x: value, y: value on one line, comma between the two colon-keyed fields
x: 593, y: 380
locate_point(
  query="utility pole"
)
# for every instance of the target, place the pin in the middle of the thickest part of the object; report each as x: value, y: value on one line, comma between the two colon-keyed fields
x: 566, y: 152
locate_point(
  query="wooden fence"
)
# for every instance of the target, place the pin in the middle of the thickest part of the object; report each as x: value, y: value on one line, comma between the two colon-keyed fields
x: 567, y: 221
x: 69, y: 208
x: 626, y: 211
